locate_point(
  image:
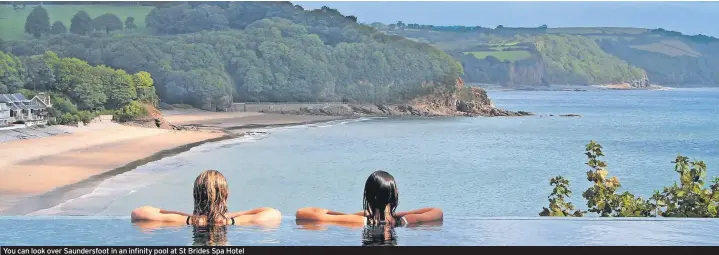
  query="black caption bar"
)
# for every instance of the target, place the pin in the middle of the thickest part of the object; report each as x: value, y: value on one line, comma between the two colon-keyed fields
x: 116, y: 250
x: 235, y: 250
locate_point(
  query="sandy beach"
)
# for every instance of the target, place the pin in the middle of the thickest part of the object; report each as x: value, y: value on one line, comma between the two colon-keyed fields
x: 36, y: 166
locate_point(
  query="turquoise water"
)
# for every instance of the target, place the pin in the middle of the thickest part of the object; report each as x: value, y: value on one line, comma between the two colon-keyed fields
x: 470, y: 167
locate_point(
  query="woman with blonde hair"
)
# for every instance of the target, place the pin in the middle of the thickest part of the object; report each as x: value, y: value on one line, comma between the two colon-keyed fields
x: 210, y: 194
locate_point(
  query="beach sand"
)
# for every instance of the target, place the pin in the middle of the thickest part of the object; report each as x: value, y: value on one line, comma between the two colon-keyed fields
x: 38, y: 166
x: 35, y: 166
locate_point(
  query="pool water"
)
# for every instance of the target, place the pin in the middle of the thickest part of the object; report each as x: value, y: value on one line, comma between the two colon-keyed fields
x: 68, y: 230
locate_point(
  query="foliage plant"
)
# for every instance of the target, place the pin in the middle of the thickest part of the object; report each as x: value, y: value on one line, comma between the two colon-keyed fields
x: 689, y: 198
x: 557, y: 204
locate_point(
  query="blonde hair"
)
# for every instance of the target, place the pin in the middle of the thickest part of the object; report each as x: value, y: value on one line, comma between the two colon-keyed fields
x: 210, y: 193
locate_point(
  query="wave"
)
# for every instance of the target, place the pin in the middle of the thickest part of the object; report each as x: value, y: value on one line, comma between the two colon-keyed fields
x: 340, y: 122
x: 109, y: 190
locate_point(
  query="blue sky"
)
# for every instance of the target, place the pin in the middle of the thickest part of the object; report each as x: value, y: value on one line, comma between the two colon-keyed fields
x: 685, y: 17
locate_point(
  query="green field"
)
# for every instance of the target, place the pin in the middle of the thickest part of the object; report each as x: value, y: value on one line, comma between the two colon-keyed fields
x: 502, y: 55
x: 669, y: 47
x: 12, y: 22
x: 596, y: 30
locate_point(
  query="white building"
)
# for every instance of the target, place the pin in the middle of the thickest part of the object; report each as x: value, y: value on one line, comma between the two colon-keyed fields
x: 4, y: 115
x: 15, y: 108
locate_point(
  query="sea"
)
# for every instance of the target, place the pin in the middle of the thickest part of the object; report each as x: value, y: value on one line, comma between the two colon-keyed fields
x: 490, y: 175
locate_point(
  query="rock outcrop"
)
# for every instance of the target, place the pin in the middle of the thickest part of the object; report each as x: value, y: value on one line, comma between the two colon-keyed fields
x: 153, y: 119
x: 465, y: 102
x: 640, y: 83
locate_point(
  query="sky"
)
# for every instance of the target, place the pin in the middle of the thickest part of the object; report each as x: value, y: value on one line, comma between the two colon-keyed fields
x: 686, y: 17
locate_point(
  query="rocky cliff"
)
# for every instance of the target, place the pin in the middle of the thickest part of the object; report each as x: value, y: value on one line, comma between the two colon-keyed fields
x: 461, y: 102
x: 640, y: 83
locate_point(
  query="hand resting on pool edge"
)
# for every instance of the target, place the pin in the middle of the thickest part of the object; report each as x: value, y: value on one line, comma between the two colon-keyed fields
x: 210, y: 194
x: 380, y: 202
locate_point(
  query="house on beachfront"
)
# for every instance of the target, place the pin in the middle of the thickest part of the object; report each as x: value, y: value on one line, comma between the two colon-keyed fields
x: 4, y: 114
x: 16, y: 109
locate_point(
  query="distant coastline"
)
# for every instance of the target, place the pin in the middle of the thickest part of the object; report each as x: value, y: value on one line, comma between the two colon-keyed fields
x: 620, y: 86
x: 627, y: 86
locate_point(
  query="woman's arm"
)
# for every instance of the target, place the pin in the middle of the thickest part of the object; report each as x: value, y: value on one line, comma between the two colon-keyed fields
x: 149, y: 213
x: 258, y: 215
x: 317, y: 225
x: 324, y: 215
x: 422, y: 215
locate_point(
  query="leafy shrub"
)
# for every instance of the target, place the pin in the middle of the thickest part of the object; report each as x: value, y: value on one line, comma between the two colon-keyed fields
x: 688, y: 199
x: 557, y: 205
x: 131, y: 111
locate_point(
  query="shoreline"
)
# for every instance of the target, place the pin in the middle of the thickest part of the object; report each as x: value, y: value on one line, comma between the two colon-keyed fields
x: 22, y: 202
x: 584, y: 88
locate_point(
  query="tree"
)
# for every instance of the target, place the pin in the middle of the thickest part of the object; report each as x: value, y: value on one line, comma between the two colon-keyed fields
x: 130, y: 24
x: 121, y: 89
x: 107, y: 22
x: 11, y: 73
x: 58, y: 28
x: 38, y: 22
x: 40, y: 72
x: 81, y: 23
x: 145, y: 88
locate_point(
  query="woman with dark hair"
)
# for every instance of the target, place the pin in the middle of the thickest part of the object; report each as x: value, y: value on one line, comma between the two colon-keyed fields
x: 380, y: 201
x: 210, y: 193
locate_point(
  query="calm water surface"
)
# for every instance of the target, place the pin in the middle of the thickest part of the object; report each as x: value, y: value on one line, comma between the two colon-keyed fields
x: 470, y: 167
x: 467, y: 232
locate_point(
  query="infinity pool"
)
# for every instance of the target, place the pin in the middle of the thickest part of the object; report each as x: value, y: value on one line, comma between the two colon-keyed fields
x: 465, y: 232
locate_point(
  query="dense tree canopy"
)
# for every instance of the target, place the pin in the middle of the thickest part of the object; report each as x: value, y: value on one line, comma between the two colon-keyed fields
x: 11, y: 73
x: 279, y: 53
x: 81, y: 23
x: 58, y: 28
x: 130, y: 24
x: 37, y: 23
x: 107, y: 23
x: 185, y: 19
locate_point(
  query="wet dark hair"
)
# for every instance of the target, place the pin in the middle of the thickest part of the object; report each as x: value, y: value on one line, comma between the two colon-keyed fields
x: 379, y: 236
x: 380, y: 195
